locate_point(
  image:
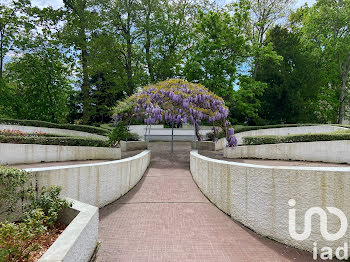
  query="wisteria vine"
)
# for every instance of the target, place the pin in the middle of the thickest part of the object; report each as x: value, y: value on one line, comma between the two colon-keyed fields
x: 174, y: 101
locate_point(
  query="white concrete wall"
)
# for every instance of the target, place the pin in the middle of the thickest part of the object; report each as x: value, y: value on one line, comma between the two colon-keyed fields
x: 79, y: 239
x: 210, y: 145
x: 133, y: 145
x: 159, y: 133
x: 284, y: 131
x: 57, y: 131
x: 141, y: 129
x: 95, y: 184
x: 33, y: 153
x: 323, y: 151
x: 257, y: 196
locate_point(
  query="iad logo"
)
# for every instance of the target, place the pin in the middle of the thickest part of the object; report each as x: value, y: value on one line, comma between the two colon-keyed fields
x: 326, y: 252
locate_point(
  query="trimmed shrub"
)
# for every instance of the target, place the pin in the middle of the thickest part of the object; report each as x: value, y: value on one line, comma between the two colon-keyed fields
x: 37, y: 123
x: 239, y: 128
x: 260, y: 140
x: 14, y: 188
x: 48, y: 140
x: 121, y: 132
x: 18, y: 240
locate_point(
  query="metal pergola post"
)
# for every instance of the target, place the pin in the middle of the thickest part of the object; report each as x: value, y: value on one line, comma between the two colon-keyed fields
x: 172, y: 137
x: 149, y: 136
x: 194, y: 137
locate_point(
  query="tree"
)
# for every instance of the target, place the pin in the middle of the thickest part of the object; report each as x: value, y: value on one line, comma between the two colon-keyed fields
x: 14, y: 24
x: 174, y: 36
x: 264, y: 14
x: 294, y: 84
x: 327, y: 27
x: 221, y: 46
x: 246, y: 100
x: 174, y: 101
x: 80, y: 20
x: 39, y: 86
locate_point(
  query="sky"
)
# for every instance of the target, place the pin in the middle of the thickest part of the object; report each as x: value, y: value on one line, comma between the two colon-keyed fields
x: 59, y: 3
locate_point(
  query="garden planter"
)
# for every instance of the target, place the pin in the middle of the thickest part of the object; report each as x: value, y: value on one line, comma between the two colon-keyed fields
x: 78, y: 241
x: 210, y: 145
x: 133, y: 145
x: 33, y: 153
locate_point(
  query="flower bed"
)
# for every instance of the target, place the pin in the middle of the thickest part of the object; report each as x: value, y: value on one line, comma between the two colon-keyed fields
x: 25, y: 239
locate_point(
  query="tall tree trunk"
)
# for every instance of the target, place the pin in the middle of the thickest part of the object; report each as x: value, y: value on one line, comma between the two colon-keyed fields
x: 148, y: 44
x: 1, y: 53
x: 129, y: 55
x: 85, y: 87
x: 344, y: 70
x: 341, y: 110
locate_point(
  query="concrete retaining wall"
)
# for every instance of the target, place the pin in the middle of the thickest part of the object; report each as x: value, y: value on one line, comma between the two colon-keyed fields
x: 210, y: 145
x: 133, y: 145
x: 284, y: 131
x: 180, y: 134
x: 257, y: 196
x: 95, y: 184
x: 57, y: 131
x: 32, y: 153
x: 79, y: 239
x: 323, y: 151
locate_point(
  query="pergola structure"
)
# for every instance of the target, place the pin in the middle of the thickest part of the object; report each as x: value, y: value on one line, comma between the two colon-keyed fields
x: 174, y: 101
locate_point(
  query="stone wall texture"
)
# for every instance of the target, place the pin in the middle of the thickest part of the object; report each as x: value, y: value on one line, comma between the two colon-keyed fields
x: 33, y: 153
x: 258, y: 196
x: 96, y: 184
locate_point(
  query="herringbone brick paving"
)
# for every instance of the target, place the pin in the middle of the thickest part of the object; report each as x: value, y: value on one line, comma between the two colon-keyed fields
x: 166, y: 218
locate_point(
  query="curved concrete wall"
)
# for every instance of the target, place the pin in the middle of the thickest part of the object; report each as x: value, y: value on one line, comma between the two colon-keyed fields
x: 257, y: 196
x: 57, y: 131
x: 95, y: 184
x: 284, y: 131
x: 323, y: 151
x: 79, y: 239
x: 33, y: 153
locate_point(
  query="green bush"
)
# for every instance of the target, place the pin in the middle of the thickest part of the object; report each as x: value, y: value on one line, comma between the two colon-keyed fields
x: 259, y: 140
x: 121, y: 133
x: 50, y: 203
x: 37, y: 123
x: 17, y: 239
x: 14, y: 187
x: 55, y: 140
x: 240, y: 128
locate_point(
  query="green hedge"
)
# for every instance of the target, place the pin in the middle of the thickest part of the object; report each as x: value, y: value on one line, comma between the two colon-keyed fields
x: 37, y: 123
x: 239, y: 129
x: 259, y: 140
x: 62, y: 141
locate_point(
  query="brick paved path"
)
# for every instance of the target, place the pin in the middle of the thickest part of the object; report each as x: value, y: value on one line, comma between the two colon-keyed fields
x: 166, y: 218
